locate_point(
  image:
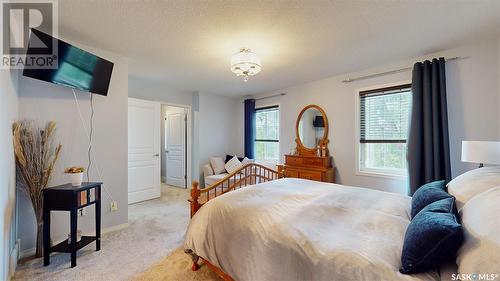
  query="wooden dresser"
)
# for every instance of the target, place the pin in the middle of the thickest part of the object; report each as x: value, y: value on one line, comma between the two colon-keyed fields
x: 311, y: 158
x: 308, y: 167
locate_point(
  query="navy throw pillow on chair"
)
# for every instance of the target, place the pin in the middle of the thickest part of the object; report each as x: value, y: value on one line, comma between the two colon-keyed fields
x: 432, y: 238
x: 229, y: 157
x: 426, y: 194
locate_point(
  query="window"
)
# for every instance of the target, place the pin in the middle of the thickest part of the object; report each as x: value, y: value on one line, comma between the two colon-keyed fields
x: 267, y: 127
x: 384, y: 115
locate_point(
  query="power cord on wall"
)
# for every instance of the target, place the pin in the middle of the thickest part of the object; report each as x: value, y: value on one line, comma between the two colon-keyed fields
x: 89, y: 152
x: 88, y: 133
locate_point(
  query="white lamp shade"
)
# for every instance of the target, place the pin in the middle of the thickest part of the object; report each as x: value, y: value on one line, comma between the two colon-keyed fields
x: 484, y: 152
x: 245, y: 63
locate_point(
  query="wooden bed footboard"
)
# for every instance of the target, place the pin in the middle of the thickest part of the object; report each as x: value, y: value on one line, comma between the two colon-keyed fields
x: 249, y: 174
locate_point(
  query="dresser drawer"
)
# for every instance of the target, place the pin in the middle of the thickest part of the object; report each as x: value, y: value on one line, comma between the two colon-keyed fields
x: 292, y: 174
x: 294, y: 161
x: 318, y: 162
x: 310, y: 175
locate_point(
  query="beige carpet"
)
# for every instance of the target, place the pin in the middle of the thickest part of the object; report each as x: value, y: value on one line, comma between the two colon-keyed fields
x: 156, y: 229
x: 177, y: 267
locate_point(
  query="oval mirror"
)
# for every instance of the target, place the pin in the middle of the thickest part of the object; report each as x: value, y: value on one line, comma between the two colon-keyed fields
x: 312, y: 127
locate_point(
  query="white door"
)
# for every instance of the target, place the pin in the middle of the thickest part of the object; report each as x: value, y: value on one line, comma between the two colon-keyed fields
x: 175, y: 146
x: 143, y: 150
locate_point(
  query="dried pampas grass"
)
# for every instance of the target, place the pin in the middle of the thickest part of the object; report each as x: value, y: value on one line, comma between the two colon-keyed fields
x: 36, y: 156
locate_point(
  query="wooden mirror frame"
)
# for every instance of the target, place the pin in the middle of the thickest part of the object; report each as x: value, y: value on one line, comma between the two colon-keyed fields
x: 301, y: 148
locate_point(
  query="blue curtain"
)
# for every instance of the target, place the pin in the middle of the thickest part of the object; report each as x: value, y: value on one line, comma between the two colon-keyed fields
x: 249, y: 128
x: 428, y: 139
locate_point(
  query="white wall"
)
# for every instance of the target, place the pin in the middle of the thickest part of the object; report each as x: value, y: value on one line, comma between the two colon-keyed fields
x: 43, y: 102
x: 498, y: 84
x: 473, y: 108
x: 8, y: 113
x: 473, y: 94
x: 195, y: 132
x: 220, y: 132
x: 157, y: 91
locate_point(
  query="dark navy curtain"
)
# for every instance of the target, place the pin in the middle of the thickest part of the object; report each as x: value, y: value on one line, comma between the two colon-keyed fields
x: 249, y: 128
x: 428, y: 139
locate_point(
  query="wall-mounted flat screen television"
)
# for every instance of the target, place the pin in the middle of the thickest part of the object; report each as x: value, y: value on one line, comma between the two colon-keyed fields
x: 75, y: 67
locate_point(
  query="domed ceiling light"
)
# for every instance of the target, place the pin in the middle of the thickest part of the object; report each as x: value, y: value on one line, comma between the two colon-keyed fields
x: 245, y: 63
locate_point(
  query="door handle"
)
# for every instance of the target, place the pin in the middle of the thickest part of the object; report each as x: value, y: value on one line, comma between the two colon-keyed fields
x: 157, y: 155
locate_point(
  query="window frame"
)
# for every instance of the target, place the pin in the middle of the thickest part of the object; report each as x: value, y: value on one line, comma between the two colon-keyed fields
x: 264, y: 107
x: 383, y: 173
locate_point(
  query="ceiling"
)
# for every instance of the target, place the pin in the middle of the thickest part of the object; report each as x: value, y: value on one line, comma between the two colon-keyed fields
x: 188, y: 44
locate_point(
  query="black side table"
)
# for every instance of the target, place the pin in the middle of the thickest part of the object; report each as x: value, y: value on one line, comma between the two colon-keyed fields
x: 71, y: 198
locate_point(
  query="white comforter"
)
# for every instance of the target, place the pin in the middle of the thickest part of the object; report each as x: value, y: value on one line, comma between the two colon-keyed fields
x: 294, y: 229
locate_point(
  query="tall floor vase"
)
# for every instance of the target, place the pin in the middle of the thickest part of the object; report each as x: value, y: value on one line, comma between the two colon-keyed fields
x: 35, y: 156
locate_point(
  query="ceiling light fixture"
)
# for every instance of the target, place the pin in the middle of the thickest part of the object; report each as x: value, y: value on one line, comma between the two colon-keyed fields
x: 245, y: 63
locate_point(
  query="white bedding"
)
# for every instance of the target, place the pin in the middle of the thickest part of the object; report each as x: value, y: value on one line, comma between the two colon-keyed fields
x: 294, y: 229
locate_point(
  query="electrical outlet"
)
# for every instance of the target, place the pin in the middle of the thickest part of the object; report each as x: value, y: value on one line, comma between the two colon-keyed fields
x: 114, y: 206
x: 82, y: 212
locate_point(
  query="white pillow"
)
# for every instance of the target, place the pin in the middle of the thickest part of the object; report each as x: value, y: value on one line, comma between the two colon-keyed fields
x: 233, y: 164
x: 207, y: 170
x: 247, y: 161
x: 217, y: 164
x: 471, y: 183
x: 480, y: 252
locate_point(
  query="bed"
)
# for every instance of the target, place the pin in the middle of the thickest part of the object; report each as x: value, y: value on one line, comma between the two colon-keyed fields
x: 296, y: 229
x: 256, y: 225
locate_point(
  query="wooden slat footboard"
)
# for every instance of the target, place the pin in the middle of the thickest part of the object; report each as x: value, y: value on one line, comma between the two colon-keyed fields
x: 248, y: 175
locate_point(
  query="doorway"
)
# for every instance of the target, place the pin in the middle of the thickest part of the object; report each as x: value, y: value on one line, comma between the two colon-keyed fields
x: 159, y: 145
x: 174, y: 154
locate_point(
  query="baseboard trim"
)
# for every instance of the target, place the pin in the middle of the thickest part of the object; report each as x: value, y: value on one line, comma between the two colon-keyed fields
x: 13, y: 258
x: 27, y: 253
x: 30, y: 252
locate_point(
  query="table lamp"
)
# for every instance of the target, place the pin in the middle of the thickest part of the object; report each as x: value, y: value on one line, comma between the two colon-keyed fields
x: 482, y: 152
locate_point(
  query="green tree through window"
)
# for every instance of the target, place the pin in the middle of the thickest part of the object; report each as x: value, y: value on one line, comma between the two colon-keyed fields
x: 267, y: 134
x: 384, y: 116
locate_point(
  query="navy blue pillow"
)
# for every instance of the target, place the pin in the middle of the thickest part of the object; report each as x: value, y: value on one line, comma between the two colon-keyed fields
x: 229, y: 157
x: 426, y: 194
x: 432, y: 238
